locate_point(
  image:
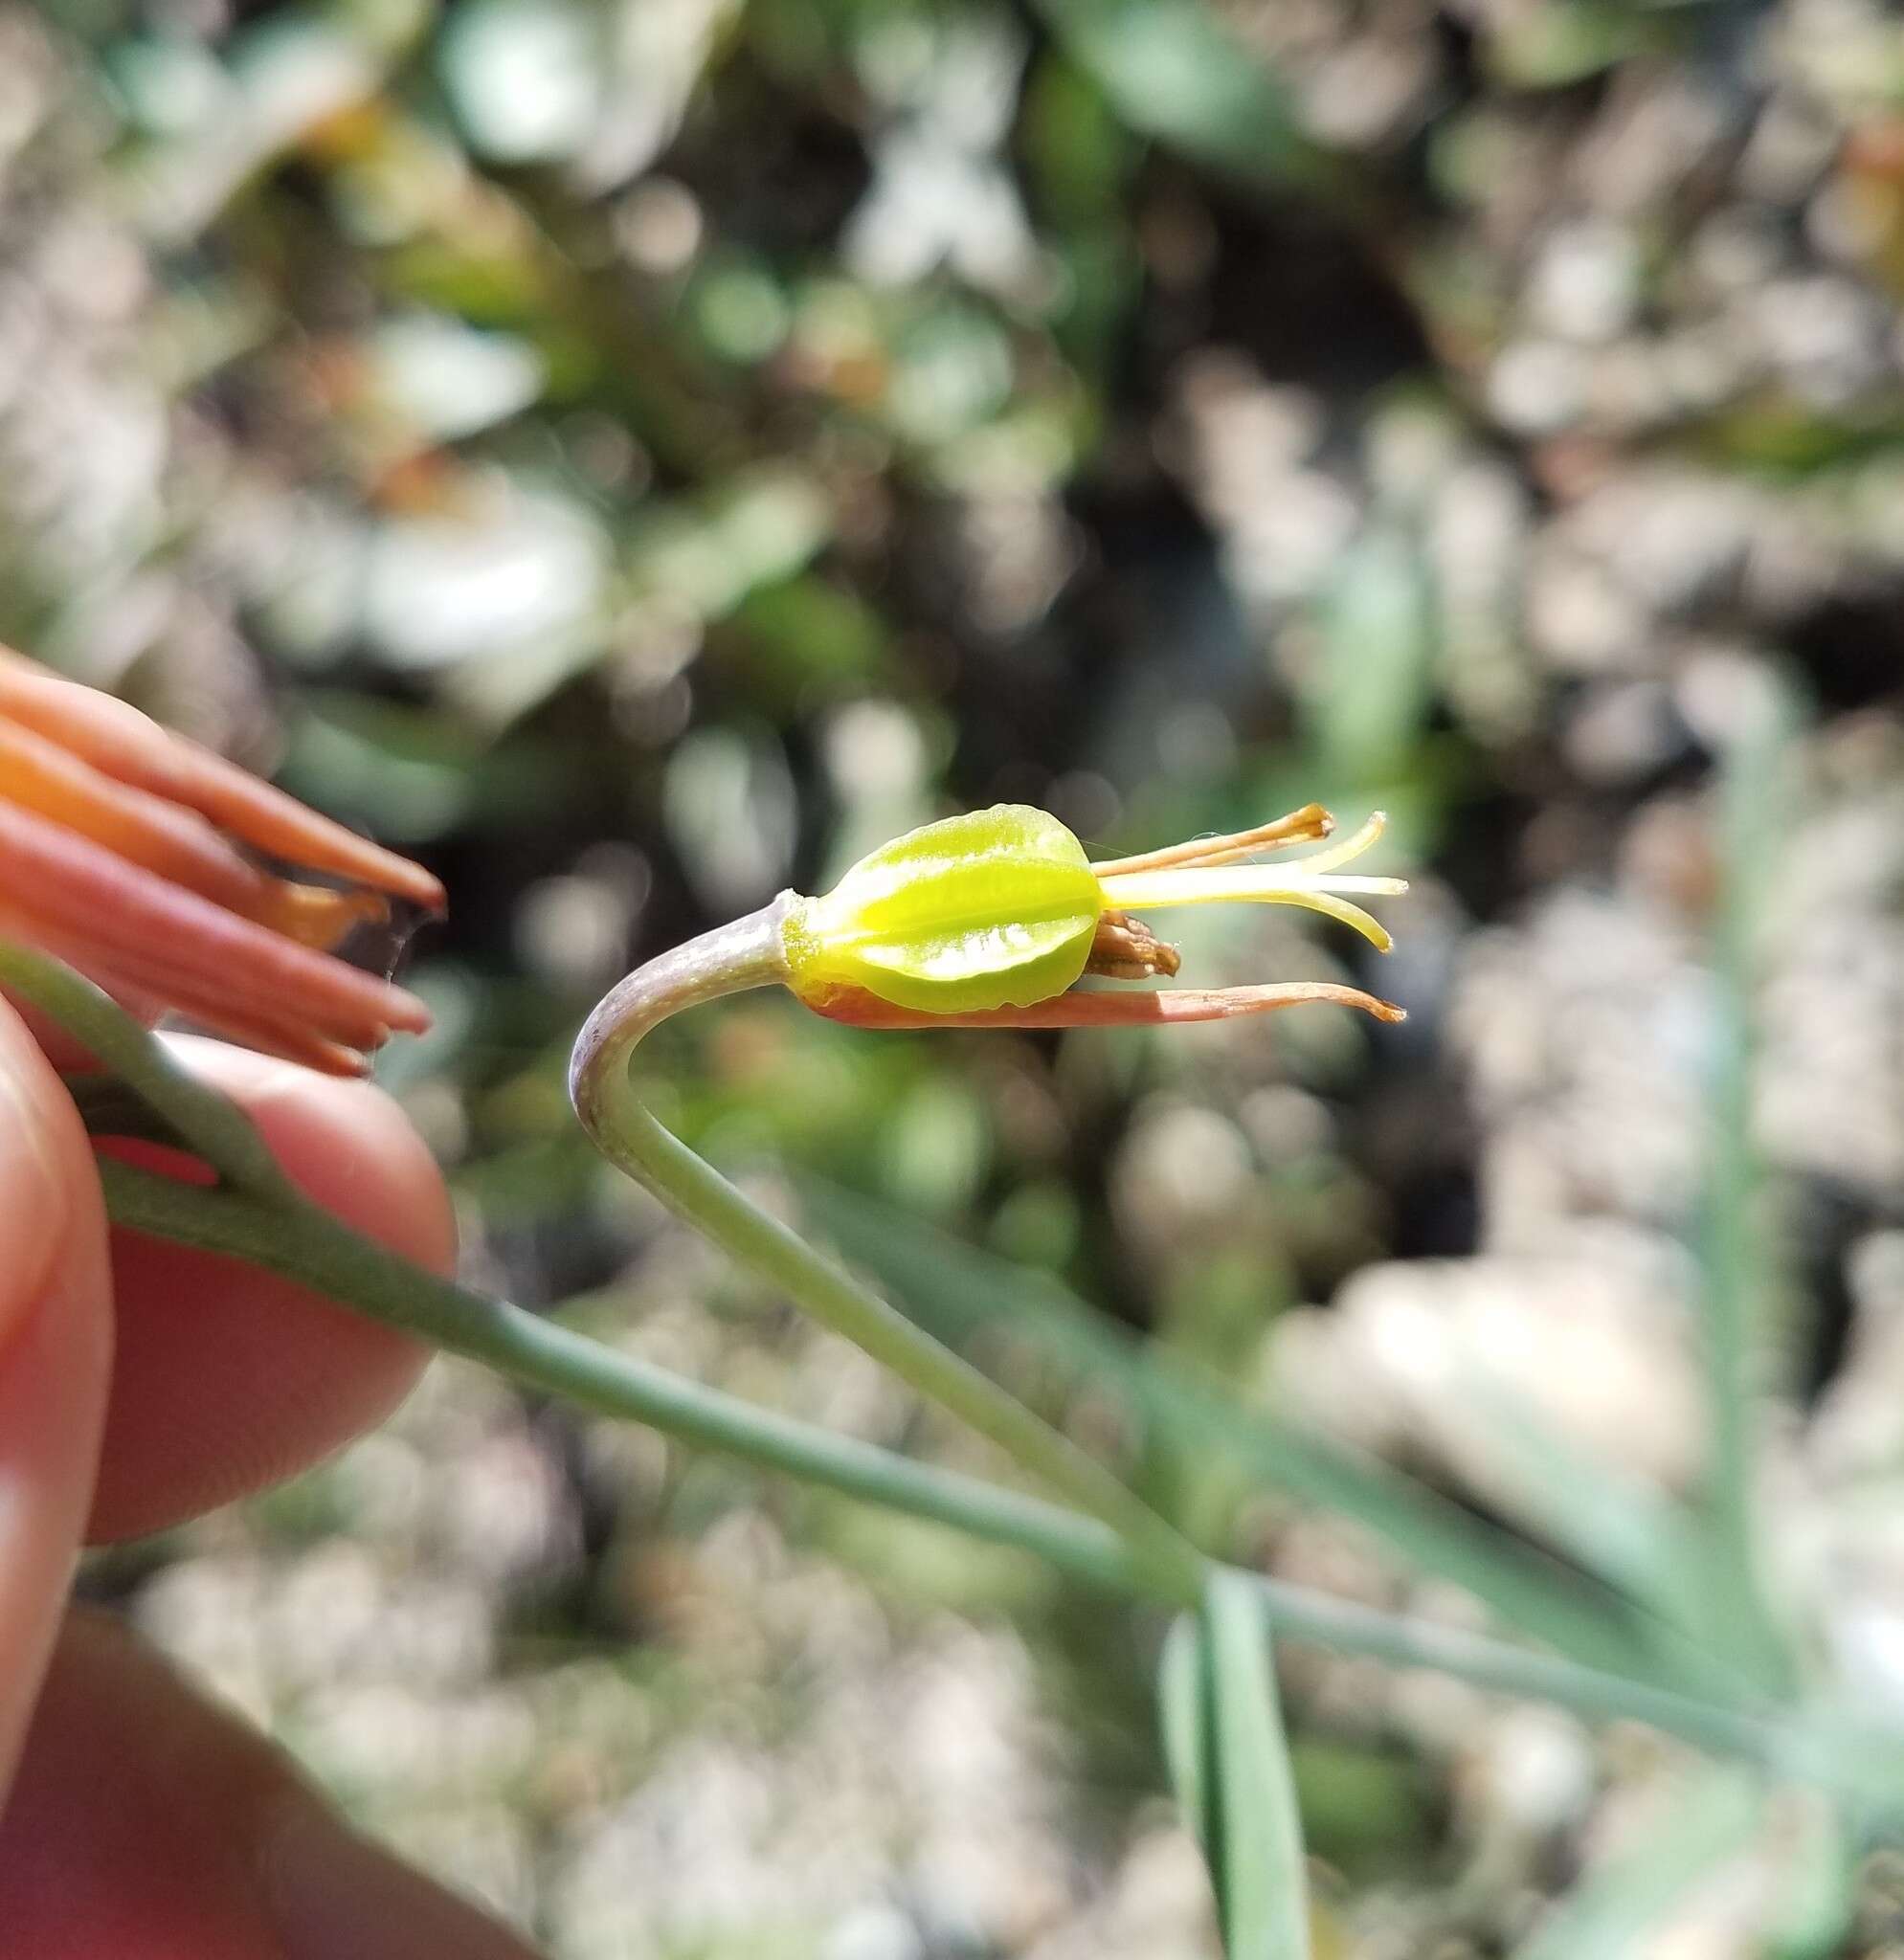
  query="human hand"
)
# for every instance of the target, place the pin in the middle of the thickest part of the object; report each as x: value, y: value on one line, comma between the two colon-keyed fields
x: 141, y: 1384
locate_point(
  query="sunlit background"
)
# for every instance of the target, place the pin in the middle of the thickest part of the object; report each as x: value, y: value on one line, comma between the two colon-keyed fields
x: 636, y: 455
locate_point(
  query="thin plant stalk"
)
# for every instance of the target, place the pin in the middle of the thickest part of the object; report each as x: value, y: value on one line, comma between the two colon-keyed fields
x: 748, y: 953
x: 263, y: 1223
x: 302, y: 1243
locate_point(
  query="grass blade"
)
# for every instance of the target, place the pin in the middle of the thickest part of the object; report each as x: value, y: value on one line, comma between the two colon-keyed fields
x: 1737, y: 1283
x: 1609, y: 1916
x: 1229, y: 1766
x: 1183, y: 1713
x: 1262, y: 1886
x: 960, y: 1293
x: 1634, y: 1536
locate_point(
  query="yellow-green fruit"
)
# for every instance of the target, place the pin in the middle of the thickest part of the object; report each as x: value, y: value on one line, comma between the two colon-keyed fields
x: 995, y: 908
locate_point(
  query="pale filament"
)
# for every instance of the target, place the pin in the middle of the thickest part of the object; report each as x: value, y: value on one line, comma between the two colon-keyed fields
x: 1313, y: 883
x: 1308, y: 825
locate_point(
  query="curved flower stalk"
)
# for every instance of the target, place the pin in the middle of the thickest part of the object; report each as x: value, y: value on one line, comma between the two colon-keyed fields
x: 96, y: 796
x: 986, y: 920
x: 135, y: 856
x: 252, y: 1213
x: 990, y: 920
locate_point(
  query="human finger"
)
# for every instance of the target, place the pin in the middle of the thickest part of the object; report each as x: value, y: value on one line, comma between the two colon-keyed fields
x: 146, y: 1821
x: 227, y: 1378
x: 55, y: 1343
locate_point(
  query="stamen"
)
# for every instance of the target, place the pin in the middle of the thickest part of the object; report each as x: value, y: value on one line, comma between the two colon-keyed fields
x: 1126, y: 948
x: 1312, y: 882
x: 1348, y: 848
x: 1308, y: 825
x: 1139, y: 891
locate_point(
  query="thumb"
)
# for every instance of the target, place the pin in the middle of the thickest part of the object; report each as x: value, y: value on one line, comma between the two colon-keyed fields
x: 147, y: 1822
x: 55, y: 1343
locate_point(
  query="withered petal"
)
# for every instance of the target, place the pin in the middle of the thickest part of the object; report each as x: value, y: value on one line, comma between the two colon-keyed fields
x: 174, y: 944
x: 119, y: 741
x: 1094, y: 1010
x: 1308, y: 825
x: 176, y: 844
x: 191, y: 999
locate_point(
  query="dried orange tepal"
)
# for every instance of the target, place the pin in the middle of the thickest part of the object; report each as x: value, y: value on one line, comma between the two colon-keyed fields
x: 134, y: 856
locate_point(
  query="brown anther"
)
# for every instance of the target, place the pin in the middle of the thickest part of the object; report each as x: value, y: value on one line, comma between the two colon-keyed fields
x: 1308, y: 825
x: 1126, y: 948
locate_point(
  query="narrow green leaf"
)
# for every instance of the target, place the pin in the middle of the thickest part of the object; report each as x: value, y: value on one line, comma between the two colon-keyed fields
x: 108, y: 1108
x: 1736, y: 1280
x: 1262, y: 1884
x: 1610, y: 1915
x: 1611, y: 1523
x: 309, y: 1247
x: 1181, y: 1712
x: 274, y: 1228
x: 960, y: 1293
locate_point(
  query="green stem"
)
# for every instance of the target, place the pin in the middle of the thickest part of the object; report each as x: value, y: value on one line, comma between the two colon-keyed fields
x: 209, y: 1124
x: 314, y: 1248
x: 748, y: 953
x: 309, y: 1246
x: 256, y: 1216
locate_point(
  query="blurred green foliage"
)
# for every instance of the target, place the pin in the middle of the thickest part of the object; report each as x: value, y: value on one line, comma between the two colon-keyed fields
x: 640, y: 454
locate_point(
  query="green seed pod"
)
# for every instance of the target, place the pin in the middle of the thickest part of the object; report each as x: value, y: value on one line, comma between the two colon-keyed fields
x: 992, y: 909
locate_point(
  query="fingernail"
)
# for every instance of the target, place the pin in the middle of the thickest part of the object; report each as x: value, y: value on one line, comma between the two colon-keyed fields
x: 32, y: 1198
x: 333, y: 1895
